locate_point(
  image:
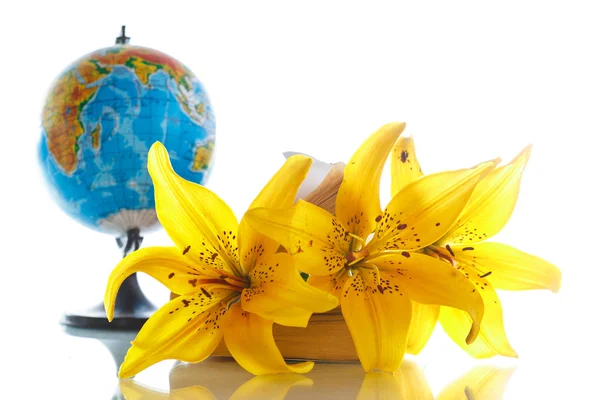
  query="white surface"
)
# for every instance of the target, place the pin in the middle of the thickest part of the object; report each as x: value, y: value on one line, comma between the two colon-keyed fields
x: 473, y: 80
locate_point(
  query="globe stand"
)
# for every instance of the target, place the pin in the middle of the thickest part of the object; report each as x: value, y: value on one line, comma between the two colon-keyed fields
x: 132, y: 308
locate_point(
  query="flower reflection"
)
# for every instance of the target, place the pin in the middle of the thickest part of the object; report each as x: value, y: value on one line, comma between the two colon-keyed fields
x: 483, y: 382
x: 224, y: 379
x: 135, y: 391
x: 408, y: 383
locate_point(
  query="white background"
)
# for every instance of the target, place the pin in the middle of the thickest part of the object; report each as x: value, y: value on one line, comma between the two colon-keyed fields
x: 473, y: 80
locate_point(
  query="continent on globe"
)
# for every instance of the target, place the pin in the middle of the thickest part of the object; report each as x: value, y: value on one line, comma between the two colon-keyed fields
x: 99, y: 119
x: 203, y: 156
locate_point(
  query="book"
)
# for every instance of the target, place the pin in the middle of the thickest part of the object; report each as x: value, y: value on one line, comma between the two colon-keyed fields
x: 326, y: 338
x: 325, y: 194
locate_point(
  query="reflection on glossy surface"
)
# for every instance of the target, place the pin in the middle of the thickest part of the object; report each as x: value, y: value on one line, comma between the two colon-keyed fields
x: 136, y: 391
x: 408, y: 383
x: 117, y: 342
x: 273, y: 387
x: 218, y: 378
x: 483, y: 382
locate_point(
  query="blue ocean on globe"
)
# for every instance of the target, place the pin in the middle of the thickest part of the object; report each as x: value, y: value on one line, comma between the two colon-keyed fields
x: 100, y: 119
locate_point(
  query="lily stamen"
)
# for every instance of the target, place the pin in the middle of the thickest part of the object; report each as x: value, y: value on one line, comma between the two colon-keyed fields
x: 358, y: 238
x: 226, y: 283
x: 431, y: 253
x: 223, y: 286
x: 236, y: 283
x: 442, y: 253
x: 385, y: 252
x: 356, y: 256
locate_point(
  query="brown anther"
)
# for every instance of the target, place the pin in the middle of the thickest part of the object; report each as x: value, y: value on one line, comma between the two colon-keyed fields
x: 357, y: 255
x: 450, y: 250
x: 205, y: 292
x: 486, y: 274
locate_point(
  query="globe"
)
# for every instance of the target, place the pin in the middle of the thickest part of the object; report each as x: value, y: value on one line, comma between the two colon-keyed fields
x: 100, y: 117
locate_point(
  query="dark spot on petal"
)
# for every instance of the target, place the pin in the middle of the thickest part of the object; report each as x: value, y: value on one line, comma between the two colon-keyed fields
x: 214, y: 255
x: 205, y: 292
x: 468, y: 248
x: 172, y: 274
x: 401, y: 226
x: 406, y: 254
x: 438, y: 224
x: 378, y: 218
x: 193, y: 282
x: 404, y: 156
x: 486, y: 274
x: 185, y: 302
x: 186, y: 249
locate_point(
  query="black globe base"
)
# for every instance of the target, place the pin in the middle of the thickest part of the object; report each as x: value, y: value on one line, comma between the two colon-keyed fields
x: 132, y: 310
x: 132, y: 307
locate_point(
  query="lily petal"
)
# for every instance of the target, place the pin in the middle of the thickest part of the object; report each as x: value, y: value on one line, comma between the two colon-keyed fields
x: 278, y: 290
x: 357, y: 203
x: 186, y: 328
x: 279, y: 192
x: 165, y: 264
x: 426, y: 209
x: 250, y: 341
x: 197, y: 220
x: 378, y: 321
x: 491, y: 204
x: 430, y: 281
x: 408, y: 382
x: 509, y: 268
x: 273, y: 387
x: 333, y: 284
x: 492, y: 337
x: 314, y: 237
x: 423, y: 322
x: 405, y: 166
x: 483, y: 382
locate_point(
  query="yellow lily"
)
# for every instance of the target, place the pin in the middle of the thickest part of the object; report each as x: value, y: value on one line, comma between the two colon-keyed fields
x: 488, y: 265
x: 369, y: 259
x: 231, y: 281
